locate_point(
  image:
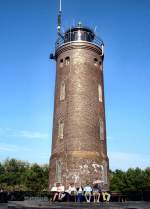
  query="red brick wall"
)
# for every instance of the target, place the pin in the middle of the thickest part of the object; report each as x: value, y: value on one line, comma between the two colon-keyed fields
x: 81, y: 151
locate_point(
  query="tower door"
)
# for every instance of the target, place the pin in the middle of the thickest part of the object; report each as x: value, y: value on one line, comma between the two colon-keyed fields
x: 58, y: 171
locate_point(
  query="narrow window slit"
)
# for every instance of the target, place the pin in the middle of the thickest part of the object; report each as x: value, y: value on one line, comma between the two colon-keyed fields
x: 67, y: 60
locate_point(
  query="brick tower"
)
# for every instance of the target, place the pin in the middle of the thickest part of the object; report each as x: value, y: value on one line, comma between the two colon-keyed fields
x: 79, y: 152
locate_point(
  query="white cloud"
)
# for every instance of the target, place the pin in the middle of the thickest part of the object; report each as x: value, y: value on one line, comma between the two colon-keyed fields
x: 25, y: 149
x: 44, y: 155
x: 125, y: 160
x: 31, y: 135
x: 8, y: 148
x: 8, y: 132
x: 13, y: 148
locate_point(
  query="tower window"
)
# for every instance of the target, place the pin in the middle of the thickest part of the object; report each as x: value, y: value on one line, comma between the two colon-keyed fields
x: 101, y: 129
x: 95, y: 61
x: 101, y: 66
x: 61, y: 63
x: 67, y: 60
x: 100, y: 93
x: 105, y: 173
x: 102, y: 172
x: 58, y: 170
x: 62, y: 91
x: 61, y: 130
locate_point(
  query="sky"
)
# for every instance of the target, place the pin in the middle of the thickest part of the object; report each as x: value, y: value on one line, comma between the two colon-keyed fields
x: 27, y: 76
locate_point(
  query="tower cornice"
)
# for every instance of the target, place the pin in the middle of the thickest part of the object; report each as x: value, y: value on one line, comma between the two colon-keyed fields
x: 78, y: 45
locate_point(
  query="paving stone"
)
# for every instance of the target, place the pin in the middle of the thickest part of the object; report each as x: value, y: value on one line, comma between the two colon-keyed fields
x: 70, y: 205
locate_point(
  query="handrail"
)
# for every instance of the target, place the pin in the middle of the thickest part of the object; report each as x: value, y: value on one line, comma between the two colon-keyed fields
x: 60, y: 42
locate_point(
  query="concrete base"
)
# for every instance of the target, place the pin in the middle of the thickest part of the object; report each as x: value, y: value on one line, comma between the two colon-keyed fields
x: 71, y: 205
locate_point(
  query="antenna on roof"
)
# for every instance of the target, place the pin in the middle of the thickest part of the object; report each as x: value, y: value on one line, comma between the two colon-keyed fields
x: 59, y: 21
x: 59, y: 18
x: 102, y: 49
x: 60, y: 6
x: 95, y: 29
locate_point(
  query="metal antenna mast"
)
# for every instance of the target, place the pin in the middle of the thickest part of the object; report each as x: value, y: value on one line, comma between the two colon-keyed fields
x: 59, y: 18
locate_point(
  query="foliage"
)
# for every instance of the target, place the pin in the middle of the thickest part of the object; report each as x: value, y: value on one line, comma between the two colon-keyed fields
x: 16, y: 175
x: 37, y: 178
x: 132, y: 180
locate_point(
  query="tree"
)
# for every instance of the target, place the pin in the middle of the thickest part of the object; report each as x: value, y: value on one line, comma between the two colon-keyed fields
x: 118, y: 181
x: 135, y: 180
x: 146, y: 176
x: 37, y: 178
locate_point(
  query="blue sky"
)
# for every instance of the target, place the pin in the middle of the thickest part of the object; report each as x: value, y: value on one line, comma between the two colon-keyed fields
x: 27, y: 76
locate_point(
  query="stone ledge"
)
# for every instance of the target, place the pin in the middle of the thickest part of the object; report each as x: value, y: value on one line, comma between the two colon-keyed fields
x: 71, y: 205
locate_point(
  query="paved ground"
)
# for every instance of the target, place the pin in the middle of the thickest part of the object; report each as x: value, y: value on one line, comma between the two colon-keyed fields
x: 46, y: 205
x: 3, y: 206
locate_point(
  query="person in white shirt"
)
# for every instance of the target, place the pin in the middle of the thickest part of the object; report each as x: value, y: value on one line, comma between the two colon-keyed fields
x: 88, y: 192
x: 54, y: 189
x: 59, y: 191
x: 71, y: 192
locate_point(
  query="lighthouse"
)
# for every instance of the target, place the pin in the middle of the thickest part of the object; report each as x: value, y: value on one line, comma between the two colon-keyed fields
x: 79, y: 148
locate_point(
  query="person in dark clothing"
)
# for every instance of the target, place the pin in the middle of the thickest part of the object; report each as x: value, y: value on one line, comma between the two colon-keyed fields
x: 79, y: 193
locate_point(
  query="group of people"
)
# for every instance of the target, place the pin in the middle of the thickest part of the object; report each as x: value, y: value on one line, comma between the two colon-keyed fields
x: 61, y: 194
